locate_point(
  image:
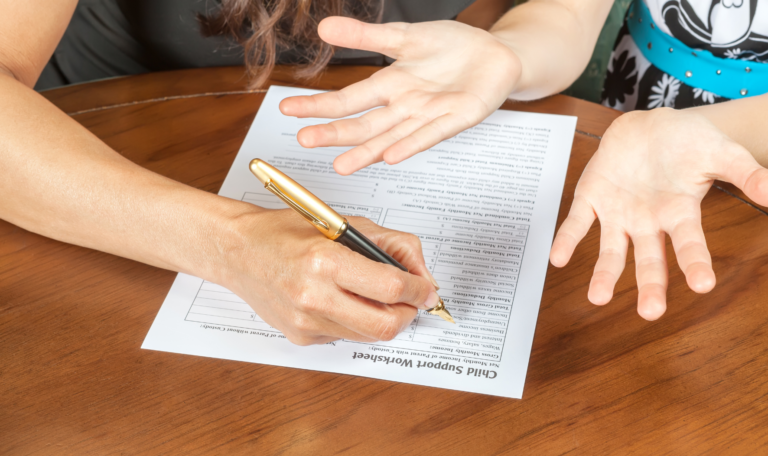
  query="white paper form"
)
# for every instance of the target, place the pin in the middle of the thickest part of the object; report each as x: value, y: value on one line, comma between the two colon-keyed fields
x: 484, y: 204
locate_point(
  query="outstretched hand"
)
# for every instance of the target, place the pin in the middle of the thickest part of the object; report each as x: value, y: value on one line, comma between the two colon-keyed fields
x: 447, y: 77
x: 648, y: 178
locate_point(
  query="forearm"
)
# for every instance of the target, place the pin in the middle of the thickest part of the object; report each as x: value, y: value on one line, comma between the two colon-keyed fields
x: 743, y: 121
x: 61, y: 181
x: 554, y: 40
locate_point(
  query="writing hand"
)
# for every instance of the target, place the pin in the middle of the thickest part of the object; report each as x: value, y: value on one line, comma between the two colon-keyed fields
x: 315, y: 290
x: 447, y: 77
x: 648, y: 178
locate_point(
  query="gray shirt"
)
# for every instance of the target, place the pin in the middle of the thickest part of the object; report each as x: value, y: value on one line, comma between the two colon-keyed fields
x: 108, y: 38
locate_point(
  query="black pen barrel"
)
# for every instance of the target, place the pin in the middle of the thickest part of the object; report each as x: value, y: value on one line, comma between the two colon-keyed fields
x: 357, y: 242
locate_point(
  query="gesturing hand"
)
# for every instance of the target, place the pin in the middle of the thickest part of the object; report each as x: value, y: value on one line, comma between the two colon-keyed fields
x: 648, y: 178
x: 447, y: 77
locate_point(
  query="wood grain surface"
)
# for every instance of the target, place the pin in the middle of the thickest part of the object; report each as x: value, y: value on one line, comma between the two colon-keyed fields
x: 73, y: 379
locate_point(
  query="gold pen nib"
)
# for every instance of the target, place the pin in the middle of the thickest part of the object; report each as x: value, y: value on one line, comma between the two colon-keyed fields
x: 441, y: 312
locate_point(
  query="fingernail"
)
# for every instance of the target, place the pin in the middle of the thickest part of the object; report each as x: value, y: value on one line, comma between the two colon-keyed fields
x: 432, y: 279
x: 432, y: 300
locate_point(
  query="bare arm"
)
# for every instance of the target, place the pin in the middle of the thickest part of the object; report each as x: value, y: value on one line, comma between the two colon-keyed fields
x: 62, y: 182
x: 59, y: 180
x: 553, y: 39
x: 743, y: 121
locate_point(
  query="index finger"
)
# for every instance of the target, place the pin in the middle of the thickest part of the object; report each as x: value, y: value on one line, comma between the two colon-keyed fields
x: 382, y: 282
x: 358, y: 97
x: 363, y: 320
x: 404, y: 247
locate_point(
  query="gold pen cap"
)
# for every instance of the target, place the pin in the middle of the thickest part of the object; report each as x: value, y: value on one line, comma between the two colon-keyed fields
x: 316, y: 212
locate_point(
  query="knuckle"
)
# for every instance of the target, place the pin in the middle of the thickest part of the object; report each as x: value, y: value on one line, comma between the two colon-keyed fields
x: 361, y: 221
x: 306, y: 301
x: 303, y: 325
x: 693, y: 245
x: 395, y: 289
x: 402, y: 112
x: 422, y: 117
x: 342, y: 96
x: 388, y: 328
x: 320, y: 260
x: 366, y: 151
x: 610, y: 252
x: 395, y: 134
x: 366, y: 126
x: 413, y: 242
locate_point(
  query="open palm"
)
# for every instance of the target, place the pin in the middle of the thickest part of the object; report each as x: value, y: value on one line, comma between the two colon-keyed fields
x: 648, y: 178
x: 447, y: 77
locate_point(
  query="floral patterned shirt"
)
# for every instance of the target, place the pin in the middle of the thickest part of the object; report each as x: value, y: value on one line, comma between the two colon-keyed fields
x: 736, y: 29
x: 733, y: 29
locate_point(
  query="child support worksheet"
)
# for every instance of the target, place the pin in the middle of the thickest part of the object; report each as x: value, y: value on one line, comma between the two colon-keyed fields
x: 484, y: 204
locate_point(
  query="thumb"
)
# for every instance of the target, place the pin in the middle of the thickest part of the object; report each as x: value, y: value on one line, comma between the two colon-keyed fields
x: 353, y: 34
x: 746, y: 173
x: 756, y: 186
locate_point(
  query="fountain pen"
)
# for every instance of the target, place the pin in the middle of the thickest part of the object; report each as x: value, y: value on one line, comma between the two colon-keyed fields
x: 327, y: 221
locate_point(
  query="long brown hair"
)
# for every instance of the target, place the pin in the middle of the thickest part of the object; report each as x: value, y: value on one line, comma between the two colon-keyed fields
x: 266, y: 27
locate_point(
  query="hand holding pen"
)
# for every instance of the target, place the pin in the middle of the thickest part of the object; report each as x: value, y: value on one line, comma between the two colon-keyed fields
x: 314, y: 290
x: 330, y: 223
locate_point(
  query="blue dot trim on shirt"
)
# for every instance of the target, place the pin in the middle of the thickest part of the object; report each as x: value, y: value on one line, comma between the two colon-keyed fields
x: 695, y: 67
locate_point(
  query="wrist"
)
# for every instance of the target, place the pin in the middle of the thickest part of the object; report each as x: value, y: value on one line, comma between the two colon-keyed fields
x: 742, y: 121
x: 228, y: 234
x: 510, y: 55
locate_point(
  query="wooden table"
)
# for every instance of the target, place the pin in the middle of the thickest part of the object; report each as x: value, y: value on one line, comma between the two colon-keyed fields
x: 73, y: 379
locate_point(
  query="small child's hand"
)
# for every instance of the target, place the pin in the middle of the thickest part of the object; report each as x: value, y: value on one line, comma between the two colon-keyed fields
x: 648, y: 178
